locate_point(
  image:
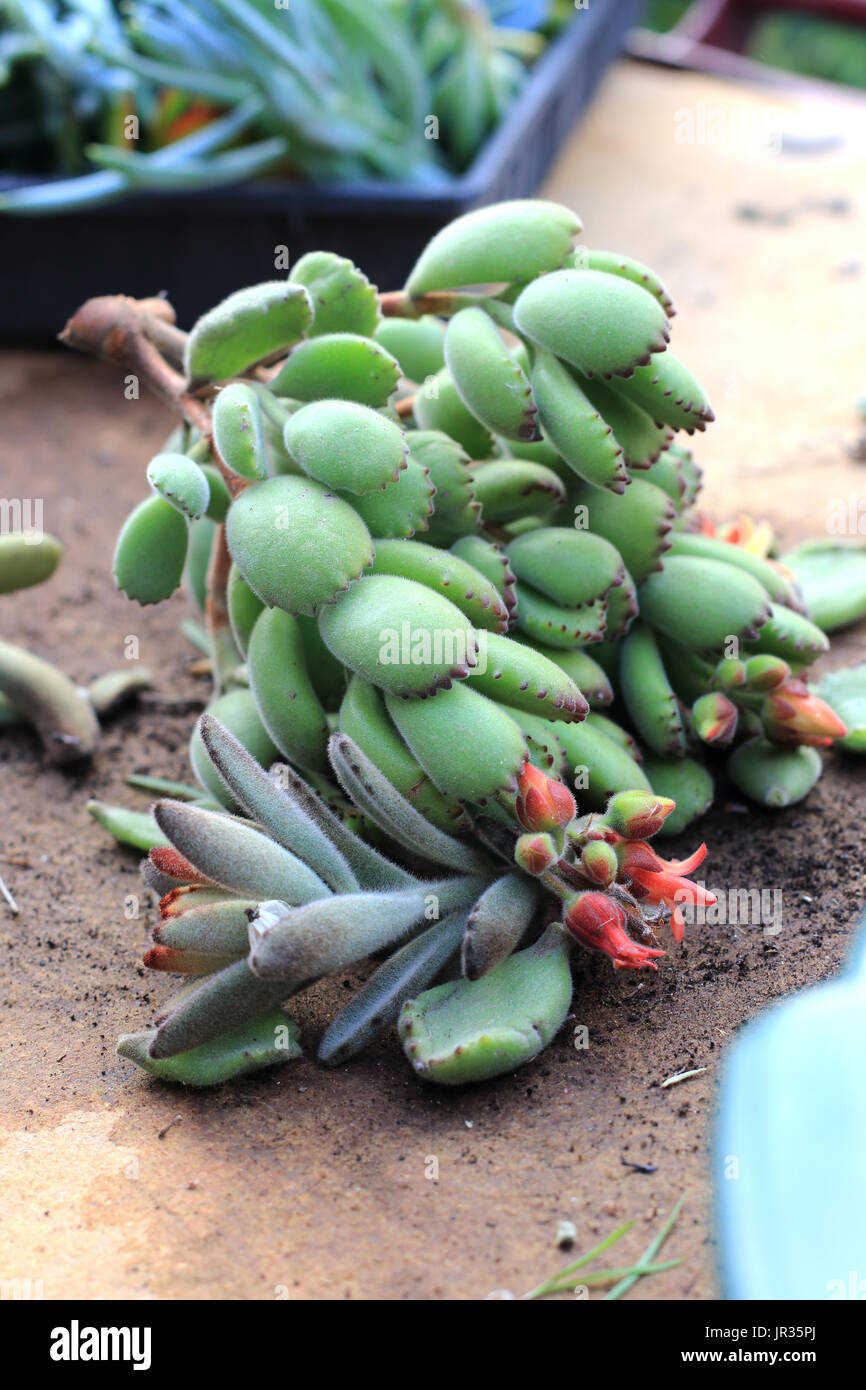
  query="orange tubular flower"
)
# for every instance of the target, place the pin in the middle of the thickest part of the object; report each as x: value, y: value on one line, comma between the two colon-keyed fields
x: 598, y: 922
x: 793, y: 714
x: 543, y: 804
x: 664, y: 881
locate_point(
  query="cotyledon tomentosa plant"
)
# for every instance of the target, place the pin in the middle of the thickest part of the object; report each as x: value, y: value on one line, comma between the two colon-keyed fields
x: 258, y: 909
x: 516, y: 404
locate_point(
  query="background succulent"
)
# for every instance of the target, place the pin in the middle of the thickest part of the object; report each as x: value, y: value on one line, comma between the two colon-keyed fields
x: 223, y: 90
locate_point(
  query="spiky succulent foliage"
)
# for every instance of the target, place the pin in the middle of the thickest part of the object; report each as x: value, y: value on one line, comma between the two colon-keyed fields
x: 453, y: 523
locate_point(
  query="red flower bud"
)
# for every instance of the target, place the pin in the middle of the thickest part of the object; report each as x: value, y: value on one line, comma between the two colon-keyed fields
x: 792, y: 714
x: 714, y: 718
x: 599, y: 863
x: 766, y: 672
x: 542, y: 802
x: 536, y: 852
x: 638, y: 815
x: 596, y: 921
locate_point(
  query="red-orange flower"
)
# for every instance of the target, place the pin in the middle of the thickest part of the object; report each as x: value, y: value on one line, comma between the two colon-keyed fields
x: 542, y: 802
x: 793, y: 714
x: 664, y: 881
x: 598, y: 922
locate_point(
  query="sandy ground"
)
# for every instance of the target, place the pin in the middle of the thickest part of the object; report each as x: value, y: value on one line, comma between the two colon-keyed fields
x: 303, y: 1183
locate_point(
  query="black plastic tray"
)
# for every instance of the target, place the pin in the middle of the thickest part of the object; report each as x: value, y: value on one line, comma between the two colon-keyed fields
x: 200, y: 247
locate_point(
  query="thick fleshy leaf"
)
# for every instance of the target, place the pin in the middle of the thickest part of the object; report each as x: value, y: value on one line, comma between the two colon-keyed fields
x: 792, y: 1115
x: 284, y: 696
x: 345, y: 445
x: 439, y: 407
x: 417, y: 344
x: 151, y: 551
x: 399, y: 635
x: 489, y: 380
x: 27, y: 558
x: 445, y: 573
x: 284, y: 818
x: 247, y: 326
x: 399, y: 509
x: 648, y: 695
x: 702, y: 603
x: 832, y: 577
x: 772, y: 774
x: 668, y: 392
x: 570, y: 567
x: 575, y: 426
x: 296, y: 544
x: 686, y: 782
x: 791, y: 636
x: 602, y: 324
x: 515, y: 675
x: 845, y: 692
x: 48, y: 699
x: 239, y: 430
x: 468, y: 746
x: 375, y: 796
x: 236, y: 710
x: 497, y: 922
x: 514, y: 240
x: 637, y: 524
x: 299, y: 945
x: 342, y: 297
x: 509, y: 489
x: 181, y: 482
x: 338, y: 365
x: 379, y: 1000
x: 365, y: 720
x: 266, y: 1041
x: 236, y: 856
x: 471, y: 1030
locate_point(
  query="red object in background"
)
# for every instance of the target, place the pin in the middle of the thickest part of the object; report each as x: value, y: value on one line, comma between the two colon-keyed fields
x: 725, y: 23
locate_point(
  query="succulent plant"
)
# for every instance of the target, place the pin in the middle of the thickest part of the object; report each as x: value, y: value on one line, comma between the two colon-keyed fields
x: 515, y: 405
x: 257, y: 905
x: 35, y: 691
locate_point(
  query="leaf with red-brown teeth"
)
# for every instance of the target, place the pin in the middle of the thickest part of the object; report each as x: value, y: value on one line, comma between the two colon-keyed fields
x: 574, y: 425
x: 235, y: 856
x: 364, y: 718
x: 297, y: 545
x: 492, y: 561
x: 268, y: 1040
x: 640, y: 438
x: 445, y: 573
x: 467, y: 744
x: 489, y: 380
x: 509, y: 489
x: 513, y: 240
x: 515, y: 675
x: 613, y: 264
x: 399, y: 509
x: 601, y: 324
x: 399, y: 635
x: 668, y: 392
x: 571, y: 568
x: 703, y: 603
x: 455, y: 509
x: 554, y: 626
x: 677, y: 474
x: 638, y: 523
